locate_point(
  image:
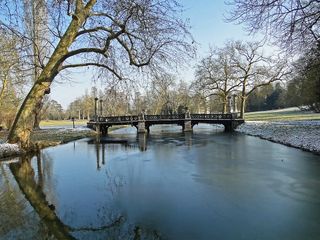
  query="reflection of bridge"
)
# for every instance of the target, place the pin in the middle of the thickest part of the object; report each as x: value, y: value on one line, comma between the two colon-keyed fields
x: 186, y: 121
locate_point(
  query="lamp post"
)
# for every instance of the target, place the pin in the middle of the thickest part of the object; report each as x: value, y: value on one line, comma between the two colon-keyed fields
x: 95, y: 108
x: 229, y: 104
x: 100, y: 107
x: 73, y: 122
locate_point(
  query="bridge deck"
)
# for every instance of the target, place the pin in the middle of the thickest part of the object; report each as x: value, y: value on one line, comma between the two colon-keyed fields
x: 229, y: 120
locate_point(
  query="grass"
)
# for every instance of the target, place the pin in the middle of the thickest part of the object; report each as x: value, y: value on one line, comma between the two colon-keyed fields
x: 56, y: 135
x: 54, y: 123
x: 289, y: 114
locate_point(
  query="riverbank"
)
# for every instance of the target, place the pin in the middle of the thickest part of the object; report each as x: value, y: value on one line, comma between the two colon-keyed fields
x: 304, y: 135
x: 44, y: 138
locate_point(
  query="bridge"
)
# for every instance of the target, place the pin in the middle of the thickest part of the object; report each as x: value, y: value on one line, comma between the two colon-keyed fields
x: 143, y: 122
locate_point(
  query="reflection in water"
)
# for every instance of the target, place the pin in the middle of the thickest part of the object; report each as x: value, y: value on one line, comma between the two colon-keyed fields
x: 24, y: 175
x: 103, y: 153
x: 205, y: 185
x: 97, y: 145
x: 142, y: 138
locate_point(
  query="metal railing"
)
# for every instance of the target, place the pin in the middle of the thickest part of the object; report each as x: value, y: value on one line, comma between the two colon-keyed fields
x: 135, y: 118
x: 215, y: 116
x: 164, y: 117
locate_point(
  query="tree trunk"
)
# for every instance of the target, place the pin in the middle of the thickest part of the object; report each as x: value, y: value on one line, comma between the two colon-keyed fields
x: 4, y: 86
x: 21, y: 128
x: 243, y: 96
x: 243, y: 106
x: 224, y: 105
x: 37, y: 116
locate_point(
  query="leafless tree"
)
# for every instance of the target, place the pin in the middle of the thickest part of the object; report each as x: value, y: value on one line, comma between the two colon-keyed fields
x: 217, y: 75
x: 113, y: 35
x: 36, y: 25
x: 294, y: 24
x: 254, y: 69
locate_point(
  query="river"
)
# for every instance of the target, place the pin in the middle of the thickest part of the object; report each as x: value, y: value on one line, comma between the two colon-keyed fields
x: 168, y: 185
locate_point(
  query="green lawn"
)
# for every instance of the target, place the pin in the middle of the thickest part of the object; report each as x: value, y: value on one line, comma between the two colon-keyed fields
x: 289, y: 114
x: 63, y: 123
x: 53, y: 123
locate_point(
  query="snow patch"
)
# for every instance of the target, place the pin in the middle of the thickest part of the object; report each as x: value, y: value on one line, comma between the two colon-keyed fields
x: 300, y: 134
x: 7, y: 150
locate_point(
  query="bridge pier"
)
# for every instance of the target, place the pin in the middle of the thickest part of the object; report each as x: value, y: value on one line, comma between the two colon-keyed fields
x: 98, y: 130
x: 104, y: 130
x: 101, y: 130
x: 141, y: 126
x: 187, y: 121
x: 187, y: 126
x: 141, y: 122
x: 232, y: 125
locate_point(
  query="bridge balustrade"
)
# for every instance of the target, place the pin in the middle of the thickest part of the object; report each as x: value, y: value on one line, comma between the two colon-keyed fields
x: 215, y: 116
x: 118, y: 119
x: 164, y: 117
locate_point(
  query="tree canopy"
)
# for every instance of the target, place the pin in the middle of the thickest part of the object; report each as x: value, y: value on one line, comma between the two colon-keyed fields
x: 115, y: 36
x: 293, y: 24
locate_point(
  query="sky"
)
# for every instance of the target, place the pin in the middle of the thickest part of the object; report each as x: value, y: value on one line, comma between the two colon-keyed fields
x: 207, y: 27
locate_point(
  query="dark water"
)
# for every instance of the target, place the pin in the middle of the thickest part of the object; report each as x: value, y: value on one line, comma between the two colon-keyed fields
x: 168, y: 185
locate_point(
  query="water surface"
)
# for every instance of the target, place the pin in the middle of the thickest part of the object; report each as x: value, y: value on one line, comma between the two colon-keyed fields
x: 168, y: 185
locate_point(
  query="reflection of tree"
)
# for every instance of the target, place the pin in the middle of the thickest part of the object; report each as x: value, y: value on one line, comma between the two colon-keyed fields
x: 31, y: 185
x: 44, y: 176
x: 24, y: 175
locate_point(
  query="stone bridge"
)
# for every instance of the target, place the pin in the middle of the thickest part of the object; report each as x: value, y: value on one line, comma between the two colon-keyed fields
x: 143, y: 122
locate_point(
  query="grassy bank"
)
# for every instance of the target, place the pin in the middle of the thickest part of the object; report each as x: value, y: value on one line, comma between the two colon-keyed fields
x: 55, y: 123
x: 288, y: 114
x: 59, y: 135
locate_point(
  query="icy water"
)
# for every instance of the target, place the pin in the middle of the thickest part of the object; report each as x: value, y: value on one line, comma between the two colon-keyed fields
x: 168, y: 185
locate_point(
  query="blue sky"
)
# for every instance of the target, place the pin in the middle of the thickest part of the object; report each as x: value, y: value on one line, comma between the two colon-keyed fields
x: 208, y: 29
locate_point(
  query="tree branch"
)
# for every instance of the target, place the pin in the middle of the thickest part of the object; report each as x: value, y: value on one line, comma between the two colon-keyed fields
x: 113, y: 71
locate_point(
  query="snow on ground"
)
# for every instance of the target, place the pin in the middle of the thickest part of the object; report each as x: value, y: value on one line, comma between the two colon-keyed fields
x: 7, y: 150
x: 290, y: 109
x: 57, y: 134
x: 300, y: 134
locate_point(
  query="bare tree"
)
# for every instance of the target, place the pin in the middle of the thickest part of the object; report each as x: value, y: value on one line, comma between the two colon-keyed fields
x: 104, y: 34
x: 161, y: 93
x: 217, y: 75
x: 36, y: 25
x: 255, y: 70
x: 11, y: 78
x: 294, y: 24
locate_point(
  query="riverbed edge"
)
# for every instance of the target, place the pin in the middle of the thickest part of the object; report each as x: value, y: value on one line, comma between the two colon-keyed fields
x: 303, y: 135
x: 44, y: 139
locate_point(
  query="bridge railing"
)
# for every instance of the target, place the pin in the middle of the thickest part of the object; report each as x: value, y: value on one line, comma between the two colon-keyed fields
x: 164, y: 117
x: 215, y: 116
x: 118, y: 119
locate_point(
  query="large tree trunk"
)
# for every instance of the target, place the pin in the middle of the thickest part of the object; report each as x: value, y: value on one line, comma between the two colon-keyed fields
x: 243, y: 106
x: 37, y: 116
x: 23, y: 123
x: 36, y: 25
x: 243, y: 97
x: 224, y: 104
